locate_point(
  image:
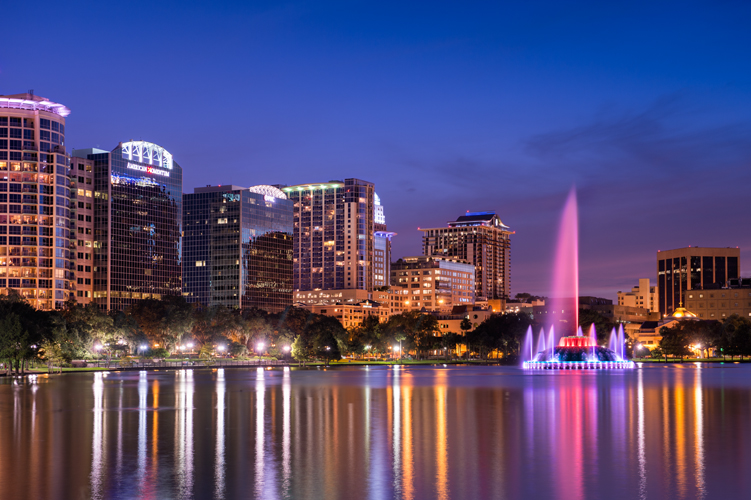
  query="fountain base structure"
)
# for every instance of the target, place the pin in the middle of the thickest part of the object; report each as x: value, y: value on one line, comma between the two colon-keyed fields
x: 577, y: 353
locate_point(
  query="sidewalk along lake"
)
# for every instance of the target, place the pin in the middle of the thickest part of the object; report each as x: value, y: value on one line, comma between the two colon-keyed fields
x: 676, y: 431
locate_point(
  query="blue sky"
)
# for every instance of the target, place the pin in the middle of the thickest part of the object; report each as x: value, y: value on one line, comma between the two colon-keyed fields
x: 446, y: 106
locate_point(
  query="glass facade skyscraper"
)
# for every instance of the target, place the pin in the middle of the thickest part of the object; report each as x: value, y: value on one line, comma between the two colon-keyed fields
x: 137, y: 224
x: 36, y: 257
x: 237, y: 248
x: 693, y: 268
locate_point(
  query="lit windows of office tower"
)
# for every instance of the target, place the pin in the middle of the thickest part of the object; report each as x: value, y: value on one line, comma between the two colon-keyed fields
x: 237, y: 248
x: 35, y: 201
x: 693, y: 268
x: 481, y: 239
x: 333, y: 235
x: 137, y: 223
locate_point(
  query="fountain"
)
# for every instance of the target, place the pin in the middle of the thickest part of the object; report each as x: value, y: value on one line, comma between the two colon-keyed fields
x: 573, y: 351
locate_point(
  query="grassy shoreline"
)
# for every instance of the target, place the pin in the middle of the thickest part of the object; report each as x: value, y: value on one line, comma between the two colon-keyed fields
x: 334, y: 364
x: 293, y: 364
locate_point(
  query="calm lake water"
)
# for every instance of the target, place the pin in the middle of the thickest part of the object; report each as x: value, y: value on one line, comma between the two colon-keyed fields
x: 379, y: 433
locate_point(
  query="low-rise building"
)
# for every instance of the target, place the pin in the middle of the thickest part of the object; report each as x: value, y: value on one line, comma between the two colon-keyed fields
x: 352, y: 314
x: 720, y: 303
x: 643, y: 295
x: 435, y: 283
x: 649, y: 333
x: 328, y: 297
x: 451, y: 322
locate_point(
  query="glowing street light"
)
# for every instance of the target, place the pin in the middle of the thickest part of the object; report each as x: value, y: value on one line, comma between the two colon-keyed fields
x: 286, y: 348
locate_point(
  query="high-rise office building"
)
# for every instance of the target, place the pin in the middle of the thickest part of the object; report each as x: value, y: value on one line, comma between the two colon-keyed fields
x: 137, y: 223
x: 333, y: 235
x: 479, y: 238
x: 36, y: 257
x: 693, y: 268
x: 237, y: 248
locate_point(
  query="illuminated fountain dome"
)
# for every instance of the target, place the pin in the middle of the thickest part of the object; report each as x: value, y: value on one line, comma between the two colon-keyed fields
x: 578, y: 353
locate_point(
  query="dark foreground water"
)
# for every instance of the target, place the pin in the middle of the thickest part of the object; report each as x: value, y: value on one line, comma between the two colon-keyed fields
x: 378, y: 433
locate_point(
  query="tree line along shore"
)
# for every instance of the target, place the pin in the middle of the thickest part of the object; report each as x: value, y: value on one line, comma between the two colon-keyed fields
x: 172, y: 327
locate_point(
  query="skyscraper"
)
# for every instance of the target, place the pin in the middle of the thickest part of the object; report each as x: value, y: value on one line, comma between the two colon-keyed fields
x: 481, y: 239
x: 333, y: 235
x: 693, y: 268
x: 381, y: 246
x: 137, y: 223
x: 36, y: 257
x: 237, y: 249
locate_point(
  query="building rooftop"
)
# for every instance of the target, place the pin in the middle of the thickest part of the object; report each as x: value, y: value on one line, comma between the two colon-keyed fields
x: 221, y: 188
x: 488, y: 219
x: 32, y: 102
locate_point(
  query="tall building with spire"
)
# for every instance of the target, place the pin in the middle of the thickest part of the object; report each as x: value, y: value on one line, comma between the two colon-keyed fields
x: 479, y: 238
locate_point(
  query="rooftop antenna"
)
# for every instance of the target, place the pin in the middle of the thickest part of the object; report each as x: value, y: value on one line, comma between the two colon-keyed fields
x: 31, y: 93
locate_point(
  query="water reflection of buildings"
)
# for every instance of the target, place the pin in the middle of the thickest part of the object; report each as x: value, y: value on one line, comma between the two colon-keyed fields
x: 376, y: 433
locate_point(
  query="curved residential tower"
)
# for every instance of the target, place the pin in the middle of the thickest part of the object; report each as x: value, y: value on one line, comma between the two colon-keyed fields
x: 37, y: 257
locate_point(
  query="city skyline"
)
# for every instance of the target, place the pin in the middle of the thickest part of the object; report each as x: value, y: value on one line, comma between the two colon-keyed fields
x: 516, y: 111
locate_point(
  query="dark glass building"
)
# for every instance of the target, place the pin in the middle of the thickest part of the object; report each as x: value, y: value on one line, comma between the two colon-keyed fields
x: 693, y: 268
x: 237, y: 248
x: 137, y: 224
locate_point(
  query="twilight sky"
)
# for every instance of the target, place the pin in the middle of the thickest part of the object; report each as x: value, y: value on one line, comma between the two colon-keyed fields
x: 445, y: 106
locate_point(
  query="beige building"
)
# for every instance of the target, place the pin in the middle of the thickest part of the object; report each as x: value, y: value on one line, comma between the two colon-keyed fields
x: 434, y: 283
x: 327, y: 297
x: 352, y: 314
x: 720, y: 303
x: 643, y: 295
x: 693, y: 268
x: 451, y: 323
x: 82, y: 209
x: 649, y: 333
x: 481, y: 239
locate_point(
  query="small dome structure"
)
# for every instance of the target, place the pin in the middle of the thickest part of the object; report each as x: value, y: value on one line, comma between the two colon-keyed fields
x: 682, y: 313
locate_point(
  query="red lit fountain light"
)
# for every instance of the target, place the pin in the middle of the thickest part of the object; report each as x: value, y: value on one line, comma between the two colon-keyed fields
x: 577, y: 353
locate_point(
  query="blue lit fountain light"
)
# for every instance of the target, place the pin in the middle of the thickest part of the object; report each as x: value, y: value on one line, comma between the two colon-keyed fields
x: 577, y: 352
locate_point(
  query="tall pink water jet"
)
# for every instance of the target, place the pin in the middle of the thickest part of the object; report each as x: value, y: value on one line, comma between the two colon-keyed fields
x: 565, y: 291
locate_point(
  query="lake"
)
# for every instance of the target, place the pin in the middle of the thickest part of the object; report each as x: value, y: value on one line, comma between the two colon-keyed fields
x: 677, y: 431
